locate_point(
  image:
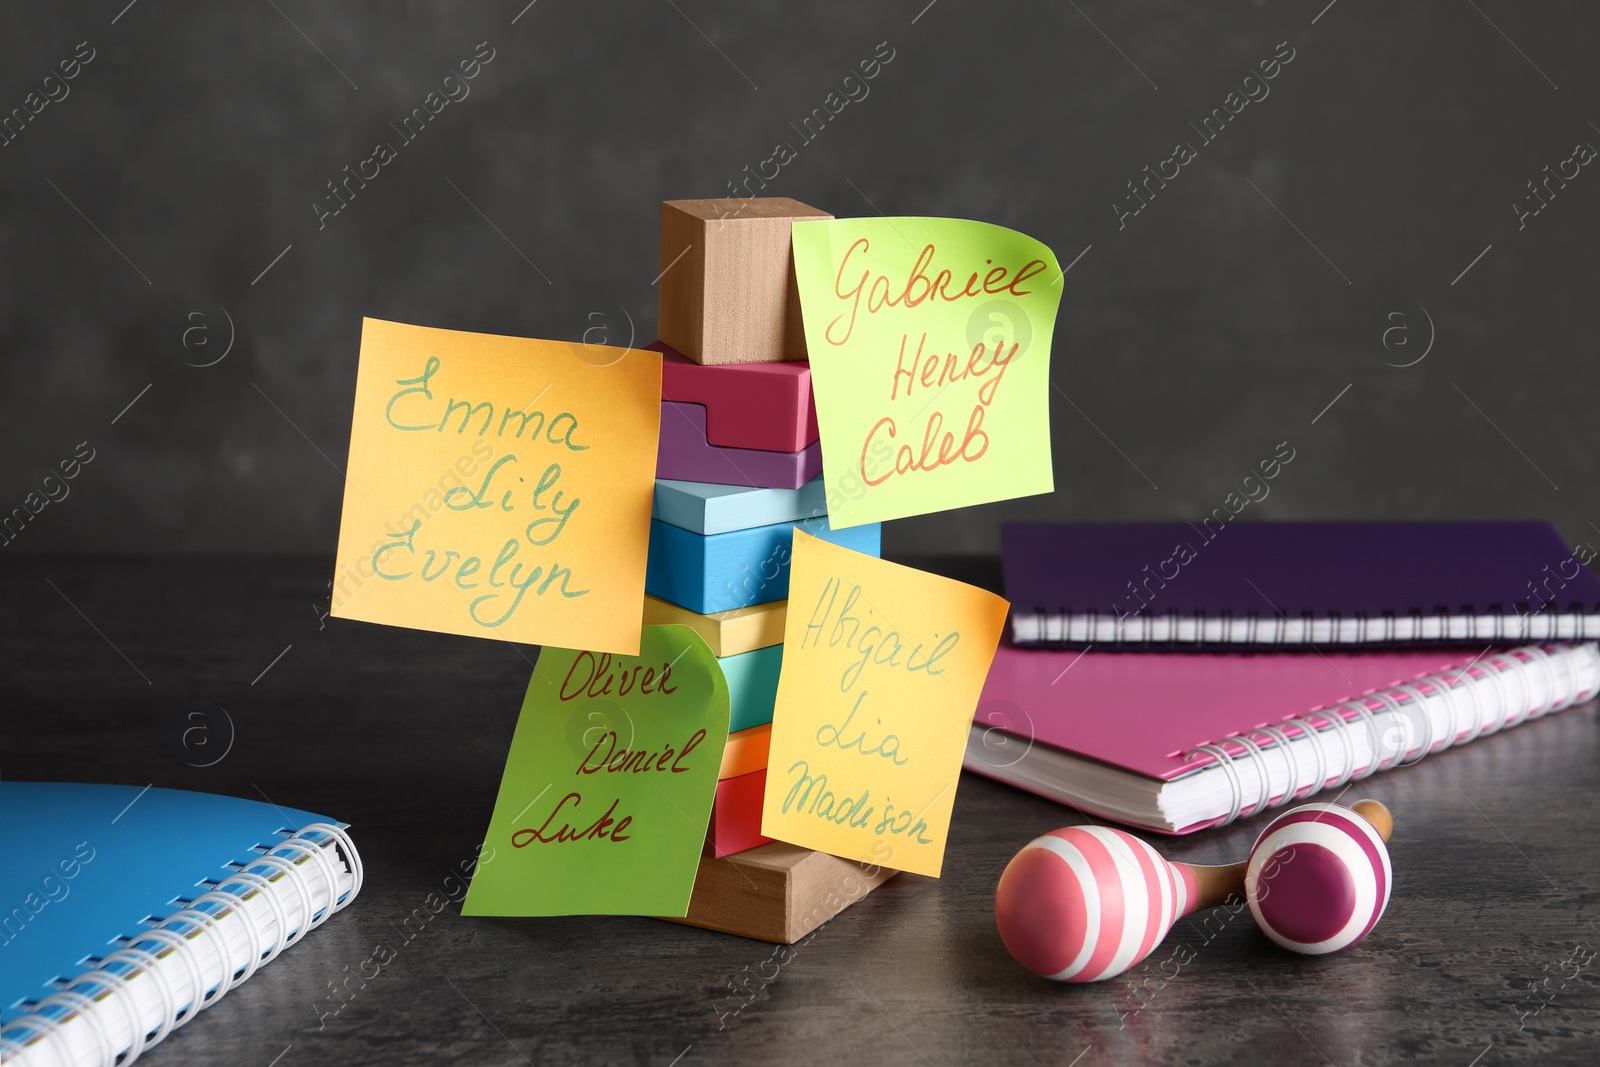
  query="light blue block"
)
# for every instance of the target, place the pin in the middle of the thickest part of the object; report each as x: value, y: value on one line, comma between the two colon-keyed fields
x: 737, y: 569
x: 704, y: 508
x: 752, y: 686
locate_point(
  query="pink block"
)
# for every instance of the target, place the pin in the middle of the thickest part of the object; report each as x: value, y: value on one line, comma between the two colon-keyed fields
x: 748, y: 405
x: 736, y: 815
x: 685, y: 455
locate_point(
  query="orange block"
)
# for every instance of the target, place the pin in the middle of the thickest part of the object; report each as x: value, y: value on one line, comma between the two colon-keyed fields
x: 746, y: 751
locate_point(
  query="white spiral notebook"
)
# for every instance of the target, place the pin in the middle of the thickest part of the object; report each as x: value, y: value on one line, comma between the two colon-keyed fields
x: 133, y: 909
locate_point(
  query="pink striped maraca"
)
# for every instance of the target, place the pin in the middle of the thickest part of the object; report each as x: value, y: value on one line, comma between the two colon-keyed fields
x: 1318, y: 877
x: 1085, y: 903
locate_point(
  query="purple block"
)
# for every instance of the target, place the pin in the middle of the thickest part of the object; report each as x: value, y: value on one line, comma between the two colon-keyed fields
x: 685, y: 455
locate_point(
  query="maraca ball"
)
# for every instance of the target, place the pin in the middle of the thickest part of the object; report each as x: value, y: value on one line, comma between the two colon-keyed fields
x: 1087, y: 902
x: 1318, y: 879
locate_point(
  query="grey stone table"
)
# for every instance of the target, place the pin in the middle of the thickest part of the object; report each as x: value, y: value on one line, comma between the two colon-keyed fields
x: 1486, y: 955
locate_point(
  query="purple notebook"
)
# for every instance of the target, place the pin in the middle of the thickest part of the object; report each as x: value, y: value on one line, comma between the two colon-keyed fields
x: 1242, y: 585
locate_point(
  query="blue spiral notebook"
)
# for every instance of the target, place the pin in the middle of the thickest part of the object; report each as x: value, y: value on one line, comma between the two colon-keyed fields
x: 129, y: 909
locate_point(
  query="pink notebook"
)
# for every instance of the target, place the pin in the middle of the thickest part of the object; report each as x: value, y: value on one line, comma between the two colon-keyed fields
x: 1179, y: 741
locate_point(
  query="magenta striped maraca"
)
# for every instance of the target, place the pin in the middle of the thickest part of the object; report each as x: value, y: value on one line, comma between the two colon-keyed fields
x: 1318, y: 877
x: 1085, y: 903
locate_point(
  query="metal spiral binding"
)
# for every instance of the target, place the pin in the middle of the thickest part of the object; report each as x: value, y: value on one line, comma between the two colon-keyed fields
x: 42, y: 1037
x: 1500, y: 691
x: 1418, y: 697
x: 1161, y: 628
x: 1224, y: 760
x: 1480, y: 717
x: 1442, y: 688
x: 1279, y: 738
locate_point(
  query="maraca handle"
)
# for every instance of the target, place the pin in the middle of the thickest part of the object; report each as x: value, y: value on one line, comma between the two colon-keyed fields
x: 1376, y: 814
x: 1214, y: 885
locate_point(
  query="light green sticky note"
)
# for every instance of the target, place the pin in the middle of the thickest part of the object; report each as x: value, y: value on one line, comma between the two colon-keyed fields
x: 607, y: 789
x: 929, y: 342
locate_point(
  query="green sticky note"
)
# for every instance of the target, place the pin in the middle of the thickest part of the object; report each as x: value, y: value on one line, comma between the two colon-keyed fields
x: 929, y: 342
x: 607, y: 789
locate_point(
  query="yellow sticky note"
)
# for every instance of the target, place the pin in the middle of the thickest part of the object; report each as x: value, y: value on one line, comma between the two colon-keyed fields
x: 882, y: 667
x: 929, y: 342
x: 499, y: 487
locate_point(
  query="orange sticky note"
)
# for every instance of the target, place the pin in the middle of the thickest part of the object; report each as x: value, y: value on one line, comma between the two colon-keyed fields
x: 499, y: 487
x: 882, y: 667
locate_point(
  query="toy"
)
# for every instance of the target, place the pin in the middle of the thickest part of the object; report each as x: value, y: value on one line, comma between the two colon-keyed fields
x: 1085, y: 903
x: 1318, y: 877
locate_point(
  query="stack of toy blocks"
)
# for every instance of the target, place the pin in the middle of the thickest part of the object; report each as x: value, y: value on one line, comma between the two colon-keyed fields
x: 738, y: 468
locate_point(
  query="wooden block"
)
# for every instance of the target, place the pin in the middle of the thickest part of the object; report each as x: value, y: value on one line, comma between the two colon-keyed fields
x: 748, y: 405
x: 746, y: 752
x: 710, y: 508
x: 752, y: 685
x: 739, y: 568
x: 778, y: 892
x: 685, y: 455
x: 736, y: 815
x: 727, y: 632
x: 728, y: 292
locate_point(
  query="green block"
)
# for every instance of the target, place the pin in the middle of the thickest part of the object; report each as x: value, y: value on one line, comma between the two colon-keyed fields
x: 752, y: 686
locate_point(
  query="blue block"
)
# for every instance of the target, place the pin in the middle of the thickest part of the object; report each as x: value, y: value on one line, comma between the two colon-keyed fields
x: 752, y: 686
x: 706, y: 508
x: 738, y: 569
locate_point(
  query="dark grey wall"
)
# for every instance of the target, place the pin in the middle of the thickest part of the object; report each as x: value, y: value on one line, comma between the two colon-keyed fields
x: 1194, y: 336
